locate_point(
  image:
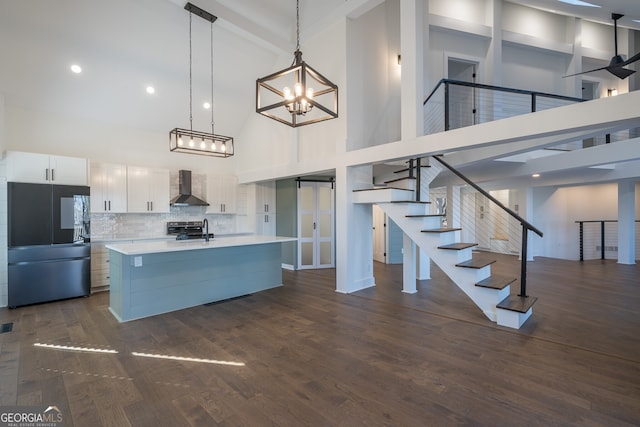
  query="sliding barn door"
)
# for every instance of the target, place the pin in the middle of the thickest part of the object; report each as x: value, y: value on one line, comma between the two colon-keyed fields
x: 316, y: 242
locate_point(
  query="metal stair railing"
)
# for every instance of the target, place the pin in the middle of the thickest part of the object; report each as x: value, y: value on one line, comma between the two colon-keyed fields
x: 526, y: 226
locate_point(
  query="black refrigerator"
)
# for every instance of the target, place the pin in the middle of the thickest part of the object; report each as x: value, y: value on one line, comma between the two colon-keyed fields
x: 49, y: 252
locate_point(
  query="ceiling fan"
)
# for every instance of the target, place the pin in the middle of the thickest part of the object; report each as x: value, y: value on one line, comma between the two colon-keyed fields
x: 617, y: 63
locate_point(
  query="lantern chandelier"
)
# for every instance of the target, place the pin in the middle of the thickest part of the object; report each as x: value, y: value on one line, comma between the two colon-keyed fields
x: 188, y: 140
x: 297, y: 95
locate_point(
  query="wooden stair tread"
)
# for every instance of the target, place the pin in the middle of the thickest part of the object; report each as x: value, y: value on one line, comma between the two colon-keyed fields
x: 441, y: 230
x: 381, y: 188
x: 476, y: 263
x: 458, y: 246
x: 517, y: 303
x: 496, y: 282
x: 410, y: 201
x: 424, y: 216
x: 400, y: 179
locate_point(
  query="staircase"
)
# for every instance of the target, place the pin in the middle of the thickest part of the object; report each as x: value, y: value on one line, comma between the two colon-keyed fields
x: 491, y: 293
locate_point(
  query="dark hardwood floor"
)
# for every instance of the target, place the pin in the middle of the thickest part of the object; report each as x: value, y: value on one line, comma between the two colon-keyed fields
x: 303, y: 354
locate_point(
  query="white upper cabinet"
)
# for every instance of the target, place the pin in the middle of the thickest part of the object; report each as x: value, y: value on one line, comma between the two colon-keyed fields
x: 147, y: 190
x: 266, y: 197
x: 46, y: 169
x: 222, y: 193
x: 261, y: 199
x: 108, y: 188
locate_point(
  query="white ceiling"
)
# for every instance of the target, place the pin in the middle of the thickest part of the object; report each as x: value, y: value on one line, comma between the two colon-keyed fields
x: 125, y: 45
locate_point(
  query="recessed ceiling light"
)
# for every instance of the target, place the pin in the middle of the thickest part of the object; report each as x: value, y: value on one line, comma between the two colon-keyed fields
x: 151, y: 90
x: 536, y: 175
x: 76, y: 68
x: 206, y: 105
x: 579, y: 3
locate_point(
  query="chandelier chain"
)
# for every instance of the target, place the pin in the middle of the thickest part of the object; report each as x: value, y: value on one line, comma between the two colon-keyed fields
x: 297, y: 24
x: 190, y: 78
x: 212, y: 121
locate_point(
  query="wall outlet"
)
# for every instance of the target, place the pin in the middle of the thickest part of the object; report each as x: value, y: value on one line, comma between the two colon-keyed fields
x: 137, y: 261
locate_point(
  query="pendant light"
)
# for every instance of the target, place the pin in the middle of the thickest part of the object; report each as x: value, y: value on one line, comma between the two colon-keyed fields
x: 297, y: 95
x: 188, y: 140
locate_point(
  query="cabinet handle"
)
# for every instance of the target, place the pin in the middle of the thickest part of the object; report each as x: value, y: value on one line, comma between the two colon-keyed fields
x: 46, y: 174
x: 52, y: 176
x: 266, y: 208
x: 109, y: 204
x: 105, y: 205
x: 266, y: 218
x: 151, y: 204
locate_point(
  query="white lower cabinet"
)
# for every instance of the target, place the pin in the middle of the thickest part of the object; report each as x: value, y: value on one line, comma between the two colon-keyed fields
x: 266, y: 224
x: 99, y: 267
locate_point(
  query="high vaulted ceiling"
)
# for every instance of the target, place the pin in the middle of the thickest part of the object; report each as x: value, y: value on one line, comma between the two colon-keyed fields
x: 126, y: 45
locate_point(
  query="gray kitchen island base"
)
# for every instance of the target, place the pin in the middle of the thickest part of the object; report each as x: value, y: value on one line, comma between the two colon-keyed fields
x: 188, y: 274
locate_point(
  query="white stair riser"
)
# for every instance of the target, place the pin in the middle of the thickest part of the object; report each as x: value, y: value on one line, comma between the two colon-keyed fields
x: 465, y: 278
x: 512, y: 319
x: 381, y: 195
x: 408, y: 184
x: 431, y: 222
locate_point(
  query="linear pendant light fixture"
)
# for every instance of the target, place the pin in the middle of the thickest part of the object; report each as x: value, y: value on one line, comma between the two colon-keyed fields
x: 297, y: 95
x: 188, y: 140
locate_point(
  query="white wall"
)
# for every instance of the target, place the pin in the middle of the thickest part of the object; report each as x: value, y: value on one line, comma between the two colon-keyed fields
x: 374, y: 84
x: 267, y: 149
x: 557, y: 209
x: 28, y: 130
x: 464, y: 10
x: 534, y: 22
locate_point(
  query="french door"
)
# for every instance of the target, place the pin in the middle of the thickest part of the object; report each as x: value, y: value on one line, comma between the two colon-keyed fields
x: 316, y: 225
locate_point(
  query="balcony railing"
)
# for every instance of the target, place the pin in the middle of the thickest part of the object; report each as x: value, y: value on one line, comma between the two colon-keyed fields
x: 454, y: 104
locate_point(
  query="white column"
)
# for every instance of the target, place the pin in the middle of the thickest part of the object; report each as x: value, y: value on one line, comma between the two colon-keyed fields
x: 574, y: 84
x: 3, y: 146
x: 626, y: 222
x: 494, y: 55
x: 354, y: 240
x: 408, y: 265
x: 424, y: 266
x: 411, y: 87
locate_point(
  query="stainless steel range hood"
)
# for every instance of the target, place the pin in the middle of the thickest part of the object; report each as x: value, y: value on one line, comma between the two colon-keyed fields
x: 185, y: 198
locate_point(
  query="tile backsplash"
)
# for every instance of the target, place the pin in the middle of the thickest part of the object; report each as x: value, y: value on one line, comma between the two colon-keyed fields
x: 109, y: 226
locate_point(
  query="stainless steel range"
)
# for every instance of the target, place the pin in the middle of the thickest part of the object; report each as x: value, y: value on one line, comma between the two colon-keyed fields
x: 187, y: 230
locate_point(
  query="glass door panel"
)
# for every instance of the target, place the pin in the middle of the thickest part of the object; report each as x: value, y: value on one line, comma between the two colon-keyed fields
x: 316, y: 243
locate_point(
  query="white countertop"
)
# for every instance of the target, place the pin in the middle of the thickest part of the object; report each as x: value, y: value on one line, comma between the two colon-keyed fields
x: 156, y: 246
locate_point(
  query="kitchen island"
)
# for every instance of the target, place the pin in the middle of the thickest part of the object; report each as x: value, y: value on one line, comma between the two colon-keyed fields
x: 154, y: 277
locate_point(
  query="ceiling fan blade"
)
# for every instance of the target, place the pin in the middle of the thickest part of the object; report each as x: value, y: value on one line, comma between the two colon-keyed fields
x: 631, y: 60
x: 619, y: 72
x: 585, y: 72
